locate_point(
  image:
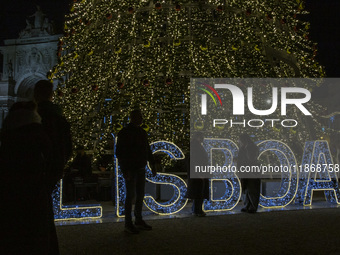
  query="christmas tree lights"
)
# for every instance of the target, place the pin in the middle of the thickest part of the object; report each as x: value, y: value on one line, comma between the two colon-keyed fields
x: 118, y: 55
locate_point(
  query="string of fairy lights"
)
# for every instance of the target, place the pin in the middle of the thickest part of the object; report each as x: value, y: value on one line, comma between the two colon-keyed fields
x: 119, y: 55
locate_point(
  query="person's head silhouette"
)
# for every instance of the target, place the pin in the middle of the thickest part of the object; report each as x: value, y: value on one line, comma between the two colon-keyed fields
x: 136, y: 117
x: 43, y: 91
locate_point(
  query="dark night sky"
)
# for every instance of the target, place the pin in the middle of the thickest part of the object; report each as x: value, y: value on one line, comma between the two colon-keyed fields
x: 14, y: 14
x: 325, y: 30
x: 324, y: 18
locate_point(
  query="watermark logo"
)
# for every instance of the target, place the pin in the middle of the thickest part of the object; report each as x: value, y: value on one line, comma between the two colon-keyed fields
x: 204, y: 97
x: 238, y: 99
x: 249, y: 102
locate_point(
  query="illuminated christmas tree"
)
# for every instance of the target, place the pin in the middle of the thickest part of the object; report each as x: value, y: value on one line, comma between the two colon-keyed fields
x: 119, y: 55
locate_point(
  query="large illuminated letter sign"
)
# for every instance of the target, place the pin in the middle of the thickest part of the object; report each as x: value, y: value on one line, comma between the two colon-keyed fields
x: 231, y: 182
x: 71, y: 212
x: 120, y: 188
x: 318, y: 173
x: 176, y: 203
x: 289, y: 175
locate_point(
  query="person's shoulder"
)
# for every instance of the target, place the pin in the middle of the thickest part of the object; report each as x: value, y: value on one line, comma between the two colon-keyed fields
x: 45, y: 104
x: 57, y: 109
x: 128, y: 128
x: 142, y: 130
x: 37, y: 126
x: 123, y: 131
x: 131, y: 128
x: 47, y: 107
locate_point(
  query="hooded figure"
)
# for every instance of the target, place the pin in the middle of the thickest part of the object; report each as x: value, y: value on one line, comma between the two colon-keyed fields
x: 58, y: 131
x: 24, y: 151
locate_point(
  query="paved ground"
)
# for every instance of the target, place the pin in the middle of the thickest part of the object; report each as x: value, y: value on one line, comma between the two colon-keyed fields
x: 278, y: 232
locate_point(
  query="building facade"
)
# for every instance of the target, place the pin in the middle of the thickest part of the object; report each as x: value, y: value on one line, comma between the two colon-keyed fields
x: 26, y: 60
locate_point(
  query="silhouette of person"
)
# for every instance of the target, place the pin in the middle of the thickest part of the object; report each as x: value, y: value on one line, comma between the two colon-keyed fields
x: 25, y: 147
x: 133, y: 152
x: 247, y: 156
x: 82, y: 162
x: 58, y: 130
x: 198, y: 188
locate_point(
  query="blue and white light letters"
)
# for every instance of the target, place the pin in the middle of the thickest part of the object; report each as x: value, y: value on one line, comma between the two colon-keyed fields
x: 316, y: 172
x: 232, y: 184
x: 176, y: 203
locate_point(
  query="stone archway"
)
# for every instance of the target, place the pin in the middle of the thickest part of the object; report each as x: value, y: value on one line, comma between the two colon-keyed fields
x: 24, y: 88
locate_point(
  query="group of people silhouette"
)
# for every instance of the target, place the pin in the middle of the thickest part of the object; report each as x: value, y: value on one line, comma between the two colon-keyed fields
x: 35, y: 146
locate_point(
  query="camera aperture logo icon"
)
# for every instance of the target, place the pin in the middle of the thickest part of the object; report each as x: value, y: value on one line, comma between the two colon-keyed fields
x: 204, y: 97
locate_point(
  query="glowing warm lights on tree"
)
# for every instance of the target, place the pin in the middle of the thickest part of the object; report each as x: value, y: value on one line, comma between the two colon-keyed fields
x: 117, y: 55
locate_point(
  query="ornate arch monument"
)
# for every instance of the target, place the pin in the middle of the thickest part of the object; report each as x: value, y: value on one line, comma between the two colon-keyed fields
x: 26, y: 60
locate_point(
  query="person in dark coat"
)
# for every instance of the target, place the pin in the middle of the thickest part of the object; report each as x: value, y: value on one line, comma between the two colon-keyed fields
x: 81, y: 167
x: 24, y: 151
x: 247, y: 156
x: 82, y: 162
x: 198, y: 188
x: 133, y: 151
x: 58, y: 130
x: 56, y: 127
